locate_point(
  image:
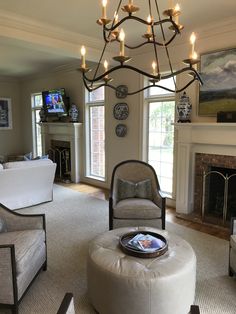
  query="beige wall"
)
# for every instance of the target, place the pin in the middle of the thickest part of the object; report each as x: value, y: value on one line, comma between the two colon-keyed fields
x: 12, y: 141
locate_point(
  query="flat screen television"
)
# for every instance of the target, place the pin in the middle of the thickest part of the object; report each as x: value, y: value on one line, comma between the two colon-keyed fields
x: 54, y: 101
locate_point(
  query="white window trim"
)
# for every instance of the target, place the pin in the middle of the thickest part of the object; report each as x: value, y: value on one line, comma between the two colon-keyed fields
x: 34, y: 123
x: 87, y: 166
x: 147, y: 100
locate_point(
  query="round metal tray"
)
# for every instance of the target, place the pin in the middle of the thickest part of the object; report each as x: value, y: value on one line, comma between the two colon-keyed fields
x: 124, y: 239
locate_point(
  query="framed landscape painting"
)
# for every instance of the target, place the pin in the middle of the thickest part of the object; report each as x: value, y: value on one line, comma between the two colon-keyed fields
x: 218, y: 72
x: 5, y: 114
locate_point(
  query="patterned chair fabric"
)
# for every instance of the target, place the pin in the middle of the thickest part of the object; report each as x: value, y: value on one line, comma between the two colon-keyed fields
x: 22, y: 254
x: 135, y: 194
x: 232, y: 248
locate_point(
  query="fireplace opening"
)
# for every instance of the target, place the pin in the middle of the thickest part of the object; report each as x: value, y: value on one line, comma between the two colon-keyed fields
x: 219, y: 197
x: 60, y: 153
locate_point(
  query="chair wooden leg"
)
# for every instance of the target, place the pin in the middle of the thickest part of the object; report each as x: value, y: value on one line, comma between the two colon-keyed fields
x: 45, y: 266
x: 230, y: 272
x: 15, y: 309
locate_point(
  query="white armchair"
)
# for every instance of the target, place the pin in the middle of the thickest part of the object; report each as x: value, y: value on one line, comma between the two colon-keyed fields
x: 22, y: 254
x: 232, y: 248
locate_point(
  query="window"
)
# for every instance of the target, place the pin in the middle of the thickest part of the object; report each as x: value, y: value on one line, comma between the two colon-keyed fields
x: 36, y: 103
x: 161, y: 112
x: 95, y: 134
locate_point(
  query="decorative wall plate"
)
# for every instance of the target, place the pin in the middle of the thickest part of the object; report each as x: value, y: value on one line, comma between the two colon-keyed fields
x: 121, y: 111
x: 121, y: 130
x: 121, y: 91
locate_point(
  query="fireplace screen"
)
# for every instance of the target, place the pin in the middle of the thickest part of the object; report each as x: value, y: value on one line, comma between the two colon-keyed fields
x: 60, y: 154
x: 219, y: 197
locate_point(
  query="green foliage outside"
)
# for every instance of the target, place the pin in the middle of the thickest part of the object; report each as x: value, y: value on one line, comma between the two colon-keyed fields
x: 161, y: 116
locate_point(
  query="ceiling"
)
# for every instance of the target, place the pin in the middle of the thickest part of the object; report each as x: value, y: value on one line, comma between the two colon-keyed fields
x: 37, y: 35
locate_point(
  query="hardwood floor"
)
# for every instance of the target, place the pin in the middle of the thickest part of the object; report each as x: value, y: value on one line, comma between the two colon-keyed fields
x: 171, y: 216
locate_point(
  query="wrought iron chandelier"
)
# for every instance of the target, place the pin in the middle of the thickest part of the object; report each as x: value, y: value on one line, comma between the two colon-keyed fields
x: 155, y: 34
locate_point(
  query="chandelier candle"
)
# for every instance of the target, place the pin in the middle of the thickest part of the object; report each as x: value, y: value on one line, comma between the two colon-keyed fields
x: 149, y: 20
x: 106, y: 67
x: 154, y: 68
x: 122, y: 43
x: 104, y: 7
x: 192, y: 41
x: 177, y: 9
x: 83, y: 52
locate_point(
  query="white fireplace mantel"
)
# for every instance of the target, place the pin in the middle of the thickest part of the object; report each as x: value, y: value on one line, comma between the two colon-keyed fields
x: 192, y: 138
x: 71, y: 132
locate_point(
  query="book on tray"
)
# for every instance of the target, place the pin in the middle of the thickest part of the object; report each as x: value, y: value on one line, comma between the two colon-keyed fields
x: 145, y: 243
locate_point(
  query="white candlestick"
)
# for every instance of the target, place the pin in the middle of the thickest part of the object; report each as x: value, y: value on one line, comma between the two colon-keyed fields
x: 177, y: 8
x: 106, y: 67
x: 154, y: 67
x: 83, y: 52
x: 149, y: 19
x: 104, y: 6
x: 122, y: 43
x: 192, y: 41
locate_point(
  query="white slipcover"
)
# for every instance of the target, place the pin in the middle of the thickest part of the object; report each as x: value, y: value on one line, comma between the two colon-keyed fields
x: 26, y: 183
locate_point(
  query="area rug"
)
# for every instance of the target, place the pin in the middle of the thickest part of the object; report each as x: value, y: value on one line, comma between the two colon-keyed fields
x: 74, y: 219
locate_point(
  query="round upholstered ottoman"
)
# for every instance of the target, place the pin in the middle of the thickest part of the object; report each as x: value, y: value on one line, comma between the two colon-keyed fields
x: 124, y: 284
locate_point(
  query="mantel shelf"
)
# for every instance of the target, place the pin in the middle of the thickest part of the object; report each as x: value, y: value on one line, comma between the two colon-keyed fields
x: 203, y: 124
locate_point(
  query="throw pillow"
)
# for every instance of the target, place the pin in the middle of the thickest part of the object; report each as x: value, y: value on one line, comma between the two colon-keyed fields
x: 144, y: 189
x: 28, y: 156
x: 125, y: 189
x: 42, y: 157
x: 128, y: 189
x: 3, y: 226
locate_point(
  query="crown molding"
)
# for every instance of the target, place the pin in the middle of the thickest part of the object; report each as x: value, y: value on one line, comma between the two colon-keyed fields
x: 26, y: 24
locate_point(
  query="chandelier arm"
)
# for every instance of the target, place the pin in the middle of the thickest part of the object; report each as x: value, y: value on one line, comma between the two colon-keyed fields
x: 90, y: 89
x: 99, y: 62
x: 124, y: 66
x: 198, y: 76
x: 146, y: 42
x: 152, y: 42
x: 167, y: 51
x: 132, y: 17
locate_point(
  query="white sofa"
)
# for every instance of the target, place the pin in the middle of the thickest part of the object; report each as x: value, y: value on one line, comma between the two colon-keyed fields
x: 26, y: 183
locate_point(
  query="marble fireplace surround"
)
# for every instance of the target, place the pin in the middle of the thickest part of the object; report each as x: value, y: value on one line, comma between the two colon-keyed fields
x: 193, y: 138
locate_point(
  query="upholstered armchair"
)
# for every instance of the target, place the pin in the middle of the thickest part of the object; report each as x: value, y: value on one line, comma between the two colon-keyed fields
x: 232, y: 248
x: 67, y: 304
x: 22, y: 254
x: 135, y: 194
